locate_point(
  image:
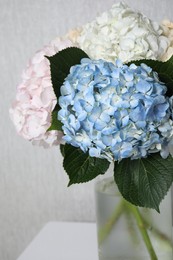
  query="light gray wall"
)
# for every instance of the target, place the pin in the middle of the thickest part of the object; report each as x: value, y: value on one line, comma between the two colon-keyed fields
x: 32, y: 182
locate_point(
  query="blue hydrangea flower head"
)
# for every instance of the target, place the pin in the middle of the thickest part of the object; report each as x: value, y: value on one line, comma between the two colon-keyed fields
x: 115, y: 111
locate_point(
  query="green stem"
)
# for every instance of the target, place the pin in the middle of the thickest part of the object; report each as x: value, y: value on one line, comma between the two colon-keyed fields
x: 104, y: 231
x: 130, y: 225
x: 154, y: 230
x: 141, y: 226
x: 158, y: 233
x: 141, y: 223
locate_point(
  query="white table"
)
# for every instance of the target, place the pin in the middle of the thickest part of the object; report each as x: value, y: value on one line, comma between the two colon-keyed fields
x: 63, y: 241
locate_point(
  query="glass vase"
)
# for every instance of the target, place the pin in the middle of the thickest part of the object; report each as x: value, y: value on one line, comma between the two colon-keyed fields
x: 128, y: 232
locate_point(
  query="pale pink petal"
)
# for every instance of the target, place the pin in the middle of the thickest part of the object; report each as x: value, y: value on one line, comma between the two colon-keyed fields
x: 35, y: 98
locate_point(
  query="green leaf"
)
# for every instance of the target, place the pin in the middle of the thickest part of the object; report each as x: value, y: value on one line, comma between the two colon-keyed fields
x: 164, y: 70
x: 80, y: 167
x: 62, y: 149
x: 60, y: 65
x: 55, y: 123
x: 144, y: 182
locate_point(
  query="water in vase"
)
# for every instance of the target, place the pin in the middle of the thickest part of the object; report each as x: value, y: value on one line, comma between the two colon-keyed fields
x: 119, y: 236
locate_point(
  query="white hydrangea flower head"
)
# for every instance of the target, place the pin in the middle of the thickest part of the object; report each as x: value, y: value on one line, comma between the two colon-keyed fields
x: 168, y: 32
x: 125, y: 34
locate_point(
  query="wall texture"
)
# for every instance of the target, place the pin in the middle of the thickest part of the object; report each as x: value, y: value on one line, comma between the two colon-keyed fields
x: 32, y: 182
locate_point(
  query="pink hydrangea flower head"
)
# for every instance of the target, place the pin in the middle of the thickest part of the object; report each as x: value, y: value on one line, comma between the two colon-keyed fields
x: 35, y: 98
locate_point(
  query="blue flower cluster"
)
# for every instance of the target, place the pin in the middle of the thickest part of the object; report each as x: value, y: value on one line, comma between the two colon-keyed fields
x: 115, y: 111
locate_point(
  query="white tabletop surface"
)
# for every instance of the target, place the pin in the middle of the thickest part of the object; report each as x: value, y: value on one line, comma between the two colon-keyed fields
x: 63, y: 241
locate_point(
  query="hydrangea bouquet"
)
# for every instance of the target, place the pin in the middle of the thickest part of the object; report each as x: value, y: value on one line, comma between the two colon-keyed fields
x: 104, y: 93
